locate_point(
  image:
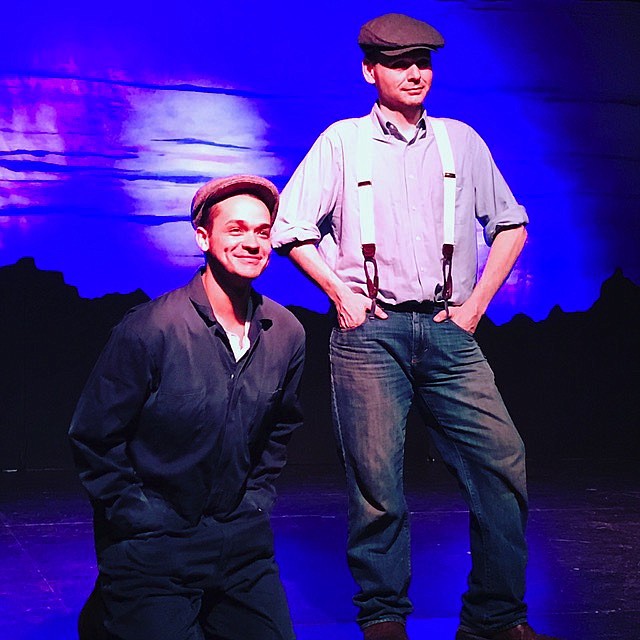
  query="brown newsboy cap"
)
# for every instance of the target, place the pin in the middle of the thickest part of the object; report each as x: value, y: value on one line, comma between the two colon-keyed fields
x: 219, y: 189
x: 395, y: 34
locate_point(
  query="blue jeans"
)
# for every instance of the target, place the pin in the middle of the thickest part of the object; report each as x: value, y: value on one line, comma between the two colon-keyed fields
x: 377, y: 369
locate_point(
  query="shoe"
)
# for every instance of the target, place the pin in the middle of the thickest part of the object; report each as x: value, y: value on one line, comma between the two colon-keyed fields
x: 521, y: 632
x: 91, y: 617
x: 385, y: 631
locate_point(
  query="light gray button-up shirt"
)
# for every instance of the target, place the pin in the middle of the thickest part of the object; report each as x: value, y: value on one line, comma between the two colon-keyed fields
x: 320, y: 203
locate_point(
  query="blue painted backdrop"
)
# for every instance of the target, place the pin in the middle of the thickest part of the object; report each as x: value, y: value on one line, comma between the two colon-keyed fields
x: 112, y: 114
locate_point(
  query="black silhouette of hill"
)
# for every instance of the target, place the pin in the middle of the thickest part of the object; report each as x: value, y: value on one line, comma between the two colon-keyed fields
x: 49, y: 339
x: 570, y: 381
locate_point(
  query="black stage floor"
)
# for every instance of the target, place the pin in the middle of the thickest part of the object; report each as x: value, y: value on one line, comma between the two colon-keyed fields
x: 584, y: 538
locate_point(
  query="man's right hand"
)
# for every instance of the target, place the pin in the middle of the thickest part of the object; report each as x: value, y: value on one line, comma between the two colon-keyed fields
x: 353, y: 308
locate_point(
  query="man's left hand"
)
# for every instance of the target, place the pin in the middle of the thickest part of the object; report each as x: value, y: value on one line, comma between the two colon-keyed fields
x: 466, y: 316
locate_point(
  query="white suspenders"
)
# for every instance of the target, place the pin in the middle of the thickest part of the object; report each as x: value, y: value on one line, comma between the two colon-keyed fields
x: 364, y: 171
x: 449, y: 170
x: 449, y: 175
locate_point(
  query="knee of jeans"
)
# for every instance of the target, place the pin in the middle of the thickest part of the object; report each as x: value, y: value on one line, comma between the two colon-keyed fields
x: 384, y: 505
x: 511, y: 447
x: 511, y: 463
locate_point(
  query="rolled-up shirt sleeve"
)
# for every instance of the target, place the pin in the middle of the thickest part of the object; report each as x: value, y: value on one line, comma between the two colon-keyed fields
x: 495, y: 204
x: 310, y: 196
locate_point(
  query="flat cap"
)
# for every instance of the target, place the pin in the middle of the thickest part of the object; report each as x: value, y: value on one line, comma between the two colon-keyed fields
x: 220, y: 189
x: 395, y: 34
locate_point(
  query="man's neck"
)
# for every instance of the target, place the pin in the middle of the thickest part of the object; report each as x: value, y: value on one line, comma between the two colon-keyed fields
x: 405, y: 119
x: 229, y: 301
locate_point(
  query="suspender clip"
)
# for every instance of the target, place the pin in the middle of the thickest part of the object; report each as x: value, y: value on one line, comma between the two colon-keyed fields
x: 447, y: 289
x: 369, y: 253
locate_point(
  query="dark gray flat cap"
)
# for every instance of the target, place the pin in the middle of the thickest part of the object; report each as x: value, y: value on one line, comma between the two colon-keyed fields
x: 220, y: 189
x: 395, y: 34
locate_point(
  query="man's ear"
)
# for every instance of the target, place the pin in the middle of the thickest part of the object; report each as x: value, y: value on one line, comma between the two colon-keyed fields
x: 202, y: 238
x: 368, y: 71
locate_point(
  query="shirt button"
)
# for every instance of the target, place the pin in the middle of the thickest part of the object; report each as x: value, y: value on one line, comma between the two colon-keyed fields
x: 417, y: 237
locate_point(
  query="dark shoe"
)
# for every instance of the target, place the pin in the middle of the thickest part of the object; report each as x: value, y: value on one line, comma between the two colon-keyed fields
x: 521, y: 632
x: 385, y: 631
x: 92, y: 616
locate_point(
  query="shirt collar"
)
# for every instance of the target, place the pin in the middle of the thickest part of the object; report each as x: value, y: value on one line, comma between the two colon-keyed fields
x: 198, y: 296
x: 384, y: 128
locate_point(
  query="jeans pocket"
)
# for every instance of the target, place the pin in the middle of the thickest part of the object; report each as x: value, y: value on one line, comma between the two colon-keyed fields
x: 363, y: 324
x: 451, y: 322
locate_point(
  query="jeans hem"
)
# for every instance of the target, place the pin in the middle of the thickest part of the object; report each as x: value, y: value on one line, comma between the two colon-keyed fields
x: 467, y: 629
x: 399, y: 619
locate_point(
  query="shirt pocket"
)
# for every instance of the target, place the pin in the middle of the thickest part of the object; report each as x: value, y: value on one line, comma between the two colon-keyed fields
x: 176, y: 421
x: 266, y: 405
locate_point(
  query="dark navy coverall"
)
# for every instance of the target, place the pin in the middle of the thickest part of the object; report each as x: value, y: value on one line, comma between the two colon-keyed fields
x: 178, y: 446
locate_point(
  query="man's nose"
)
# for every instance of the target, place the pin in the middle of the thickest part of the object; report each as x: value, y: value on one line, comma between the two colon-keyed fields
x: 413, y: 73
x: 250, y: 241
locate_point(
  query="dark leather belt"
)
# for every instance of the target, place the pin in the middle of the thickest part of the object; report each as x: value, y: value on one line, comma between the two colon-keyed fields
x: 413, y: 306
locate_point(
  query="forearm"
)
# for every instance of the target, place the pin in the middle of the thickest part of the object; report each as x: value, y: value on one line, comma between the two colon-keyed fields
x: 287, y: 419
x: 102, y: 426
x: 504, y: 252
x: 306, y: 256
x: 351, y: 307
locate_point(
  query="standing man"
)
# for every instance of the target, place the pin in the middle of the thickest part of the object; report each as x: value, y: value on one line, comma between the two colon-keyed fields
x: 179, y: 436
x: 381, y: 214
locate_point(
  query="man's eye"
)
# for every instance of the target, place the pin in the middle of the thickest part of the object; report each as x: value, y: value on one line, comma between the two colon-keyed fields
x: 265, y: 233
x: 403, y: 65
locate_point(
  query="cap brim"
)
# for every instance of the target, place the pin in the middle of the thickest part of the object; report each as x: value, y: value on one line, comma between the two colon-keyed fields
x: 222, y: 188
x: 395, y: 53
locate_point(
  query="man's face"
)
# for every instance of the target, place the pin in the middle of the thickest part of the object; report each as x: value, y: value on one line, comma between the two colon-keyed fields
x: 238, y: 246
x: 401, y: 82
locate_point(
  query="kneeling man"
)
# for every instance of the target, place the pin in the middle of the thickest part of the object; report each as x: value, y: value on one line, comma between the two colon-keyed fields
x: 180, y: 433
